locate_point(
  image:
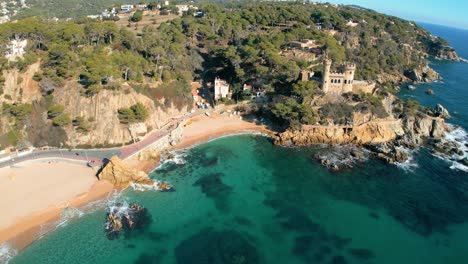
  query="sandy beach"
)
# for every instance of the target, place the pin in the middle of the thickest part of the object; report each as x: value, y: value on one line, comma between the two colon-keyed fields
x: 204, y: 128
x: 35, y: 192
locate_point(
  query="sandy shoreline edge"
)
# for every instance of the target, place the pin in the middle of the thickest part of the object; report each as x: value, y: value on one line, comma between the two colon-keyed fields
x: 27, y: 229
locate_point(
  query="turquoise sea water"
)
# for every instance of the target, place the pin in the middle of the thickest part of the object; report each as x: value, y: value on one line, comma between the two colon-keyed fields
x: 240, y: 199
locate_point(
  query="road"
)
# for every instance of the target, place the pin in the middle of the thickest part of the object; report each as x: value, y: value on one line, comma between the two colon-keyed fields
x: 95, y: 155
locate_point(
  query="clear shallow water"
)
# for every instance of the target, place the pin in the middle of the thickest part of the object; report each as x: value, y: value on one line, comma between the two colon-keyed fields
x: 242, y: 200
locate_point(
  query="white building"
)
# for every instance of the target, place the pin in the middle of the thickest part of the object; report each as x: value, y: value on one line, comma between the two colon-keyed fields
x: 182, y: 8
x: 16, y: 49
x: 126, y: 8
x: 221, y: 89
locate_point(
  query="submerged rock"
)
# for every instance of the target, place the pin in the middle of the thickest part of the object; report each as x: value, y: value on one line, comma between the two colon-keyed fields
x: 447, y: 148
x: 225, y: 246
x: 341, y: 157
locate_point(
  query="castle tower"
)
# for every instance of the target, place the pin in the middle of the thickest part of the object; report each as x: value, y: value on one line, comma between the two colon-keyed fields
x: 349, y: 70
x: 326, y: 74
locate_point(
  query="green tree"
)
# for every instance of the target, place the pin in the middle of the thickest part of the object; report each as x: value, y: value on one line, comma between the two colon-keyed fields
x: 61, y: 120
x: 137, y: 16
x: 55, y: 110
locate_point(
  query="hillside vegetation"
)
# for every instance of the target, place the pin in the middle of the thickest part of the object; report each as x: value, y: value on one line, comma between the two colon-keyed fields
x: 67, y: 8
x: 240, y: 43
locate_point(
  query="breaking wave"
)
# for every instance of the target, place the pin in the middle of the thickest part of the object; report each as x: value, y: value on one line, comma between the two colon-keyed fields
x: 459, y: 137
x: 7, y: 253
x: 410, y: 164
x: 175, y: 157
x: 155, y: 186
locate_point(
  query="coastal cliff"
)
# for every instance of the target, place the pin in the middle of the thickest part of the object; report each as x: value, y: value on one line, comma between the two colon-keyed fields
x: 370, y: 133
x: 374, y: 132
x: 388, y: 139
x: 99, y: 112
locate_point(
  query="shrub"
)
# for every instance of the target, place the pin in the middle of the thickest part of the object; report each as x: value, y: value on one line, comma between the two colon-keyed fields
x: 18, y: 111
x: 136, y: 113
x: 55, y: 110
x: 137, y: 16
x: 37, y: 77
x: 81, y: 125
x: 339, y: 113
x: 61, y: 120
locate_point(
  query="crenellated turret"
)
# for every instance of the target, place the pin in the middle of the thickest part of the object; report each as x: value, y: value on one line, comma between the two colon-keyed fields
x: 349, y: 70
x: 326, y: 74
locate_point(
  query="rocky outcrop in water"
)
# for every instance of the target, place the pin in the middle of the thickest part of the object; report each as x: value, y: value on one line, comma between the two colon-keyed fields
x: 447, y: 53
x: 425, y: 74
x: 440, y: 111
x: 338, y: 158
x: 125, y: 218
x: 390, y: 140
x: 120, y: 174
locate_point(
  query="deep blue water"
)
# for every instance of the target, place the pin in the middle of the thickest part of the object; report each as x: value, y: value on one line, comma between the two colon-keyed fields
x: 242, y: 200
x: 452, y: 92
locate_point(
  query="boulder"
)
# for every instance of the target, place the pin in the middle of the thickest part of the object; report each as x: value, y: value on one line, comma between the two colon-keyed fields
x: 430, y: 75
x: 125, y: 218
x: 464, y: 162
x: 438, y: 128
x: 120, y: 174
x: 413, y: 75
x: 440, y: 111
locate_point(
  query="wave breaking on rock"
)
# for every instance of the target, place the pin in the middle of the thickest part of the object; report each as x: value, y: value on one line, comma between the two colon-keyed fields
x: 453, y: 148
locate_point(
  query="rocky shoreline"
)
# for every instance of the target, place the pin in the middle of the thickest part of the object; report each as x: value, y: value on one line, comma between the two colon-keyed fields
x: 391, y: 141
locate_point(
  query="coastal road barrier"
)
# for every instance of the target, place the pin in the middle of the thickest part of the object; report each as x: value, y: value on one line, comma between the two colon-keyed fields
x: 97, y: 155
x: 75, y: 154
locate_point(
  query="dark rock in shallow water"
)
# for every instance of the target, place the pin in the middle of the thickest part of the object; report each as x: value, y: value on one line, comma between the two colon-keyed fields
x: 464, y: 161
x: 393, y: 152
x: 447, y: 148
x: 362, y: 253
x: 243, y: 221
x: 213, y: 187
x: 151, y: 258
x: 374, y: 215
x: 341, y: 157
x: 339, y: 242
x: 217, y: 247
x: 122, y: 218
x: 338, y: 260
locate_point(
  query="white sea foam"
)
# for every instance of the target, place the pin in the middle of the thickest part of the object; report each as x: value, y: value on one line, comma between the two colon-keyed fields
x: 7, y: 253
x: 146, y: 187
x: 410, y: 164
x: 458, y: 136
x: 177, y: 157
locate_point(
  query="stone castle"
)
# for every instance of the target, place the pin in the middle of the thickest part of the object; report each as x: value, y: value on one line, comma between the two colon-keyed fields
x: 342, y: 81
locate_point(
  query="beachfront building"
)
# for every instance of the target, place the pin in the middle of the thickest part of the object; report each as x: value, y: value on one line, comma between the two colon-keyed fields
x: 221, y: 89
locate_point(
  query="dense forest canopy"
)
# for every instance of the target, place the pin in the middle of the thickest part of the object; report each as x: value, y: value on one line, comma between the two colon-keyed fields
x: 237, y: 41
